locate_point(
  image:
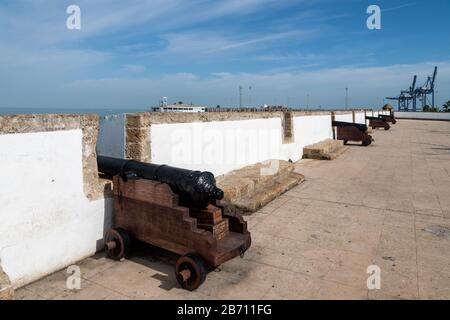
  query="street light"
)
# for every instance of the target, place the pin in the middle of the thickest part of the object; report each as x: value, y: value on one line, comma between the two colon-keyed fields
x: 346, y: 98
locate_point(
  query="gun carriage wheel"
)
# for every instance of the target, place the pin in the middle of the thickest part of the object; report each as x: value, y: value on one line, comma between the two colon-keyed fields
x: 190, y: 271
x: 117, y: 243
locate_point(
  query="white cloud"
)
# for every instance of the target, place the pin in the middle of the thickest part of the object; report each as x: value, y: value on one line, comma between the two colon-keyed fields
x: 402, y: 6
x: 325, y: 87
x: 284, y: 57
x: 43, y: 22
x: 208, y: 44
x: 44, y: 64
x: 263, y: 39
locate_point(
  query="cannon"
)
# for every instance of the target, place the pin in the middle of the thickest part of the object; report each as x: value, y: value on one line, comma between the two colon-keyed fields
x: 388, y: 118
x: 177, y: 210
x: 376, y: 122
x: 349, y: 131
x: 360, y: 126
x: 194, y: 187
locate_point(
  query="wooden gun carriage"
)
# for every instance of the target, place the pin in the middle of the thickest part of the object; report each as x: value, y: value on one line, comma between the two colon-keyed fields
x: 376, y: 122
x: 150, y: 211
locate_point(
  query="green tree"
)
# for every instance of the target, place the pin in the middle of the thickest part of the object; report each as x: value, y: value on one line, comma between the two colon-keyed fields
x: 428, y: 108
x: 446, y: 107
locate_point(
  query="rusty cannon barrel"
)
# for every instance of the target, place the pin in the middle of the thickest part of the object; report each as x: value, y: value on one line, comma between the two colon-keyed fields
x: 361, y: 127
x: 195, y: 188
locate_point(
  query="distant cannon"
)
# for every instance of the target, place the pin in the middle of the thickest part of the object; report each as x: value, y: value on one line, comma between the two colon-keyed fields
x: 194, y: 188
x: 360, y: 126
x: 349, y: 131
x: 388, y: 118
x: 376, y: 122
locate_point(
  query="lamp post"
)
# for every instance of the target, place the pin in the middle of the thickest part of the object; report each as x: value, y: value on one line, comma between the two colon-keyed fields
x: 346, y: 98
x: 240, y: 97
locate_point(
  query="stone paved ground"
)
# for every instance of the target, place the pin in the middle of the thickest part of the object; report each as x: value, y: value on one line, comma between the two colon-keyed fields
x: 383, y: 205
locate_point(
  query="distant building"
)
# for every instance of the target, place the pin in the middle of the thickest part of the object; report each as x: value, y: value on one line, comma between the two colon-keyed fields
x: 177, y: 107
x: 180, y: 108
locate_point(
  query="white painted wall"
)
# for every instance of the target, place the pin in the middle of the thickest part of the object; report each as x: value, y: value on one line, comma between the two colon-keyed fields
x: 348, y: 117
x: 423, y: 115
x: 47, y: 223
x: 360, y: 117
x: 219, y: 146
x: 111, y: 137
x: 223, y: 146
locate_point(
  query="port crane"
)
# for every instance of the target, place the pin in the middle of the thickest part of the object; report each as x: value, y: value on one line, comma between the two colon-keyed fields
x: 422, y: 93
x: 408, y: 99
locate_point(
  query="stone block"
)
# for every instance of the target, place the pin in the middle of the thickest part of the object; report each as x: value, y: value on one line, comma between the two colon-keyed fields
x: 252, y: 187
x: 325, y: 150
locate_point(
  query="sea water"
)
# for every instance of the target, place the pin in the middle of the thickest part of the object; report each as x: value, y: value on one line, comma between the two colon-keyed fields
x: 100, y: 111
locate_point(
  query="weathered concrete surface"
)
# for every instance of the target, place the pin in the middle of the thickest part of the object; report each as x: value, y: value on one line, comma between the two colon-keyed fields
x: 325, y: 150
x: 383, y: 205
x: 252, y: 187
x: 6, y: 290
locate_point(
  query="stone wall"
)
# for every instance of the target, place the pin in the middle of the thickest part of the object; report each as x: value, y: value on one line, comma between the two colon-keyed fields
x: 88, y: 123
x: 54, y: 208
x: 146, y: 134
x: 138, y: 140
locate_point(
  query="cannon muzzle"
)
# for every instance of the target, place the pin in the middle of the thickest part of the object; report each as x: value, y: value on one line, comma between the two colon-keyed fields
x: 195, y: 188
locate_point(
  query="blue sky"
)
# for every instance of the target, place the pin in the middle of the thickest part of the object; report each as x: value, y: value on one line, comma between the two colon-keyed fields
x: 130, y: 53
